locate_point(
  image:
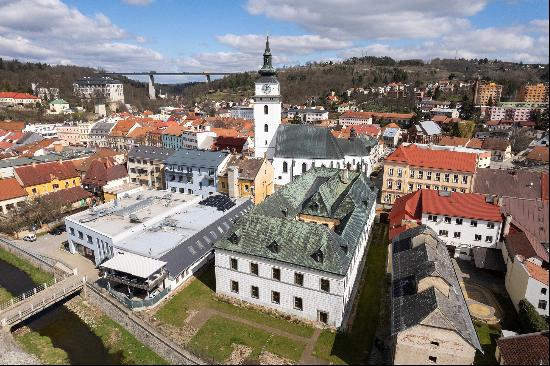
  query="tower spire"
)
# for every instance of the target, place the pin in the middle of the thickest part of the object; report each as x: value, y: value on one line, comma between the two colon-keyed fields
x: 267, y: 69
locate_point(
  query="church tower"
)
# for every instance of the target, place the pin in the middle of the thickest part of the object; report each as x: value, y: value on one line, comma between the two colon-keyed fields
x: 267, y: 108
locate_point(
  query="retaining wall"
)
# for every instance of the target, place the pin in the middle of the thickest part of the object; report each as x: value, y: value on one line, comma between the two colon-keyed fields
x: 140, y: 329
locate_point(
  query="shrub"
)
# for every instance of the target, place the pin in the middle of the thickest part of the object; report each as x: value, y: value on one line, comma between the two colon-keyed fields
x: 530, y: 320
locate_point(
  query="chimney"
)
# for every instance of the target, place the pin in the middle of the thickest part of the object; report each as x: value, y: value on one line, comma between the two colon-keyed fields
x: 233, y: 181
x: 506, y: 226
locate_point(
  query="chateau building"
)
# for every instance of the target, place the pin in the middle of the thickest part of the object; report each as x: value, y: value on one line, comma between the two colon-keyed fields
x: 299, y: 251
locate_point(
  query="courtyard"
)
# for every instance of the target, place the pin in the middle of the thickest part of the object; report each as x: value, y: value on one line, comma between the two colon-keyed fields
x: 224, y: 332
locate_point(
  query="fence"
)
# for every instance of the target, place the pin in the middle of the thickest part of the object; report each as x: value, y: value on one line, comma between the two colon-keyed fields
x: 138, y: 304
x: 28, y: 294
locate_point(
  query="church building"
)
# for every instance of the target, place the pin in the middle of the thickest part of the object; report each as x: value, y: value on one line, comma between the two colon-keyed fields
x: 294, y: 149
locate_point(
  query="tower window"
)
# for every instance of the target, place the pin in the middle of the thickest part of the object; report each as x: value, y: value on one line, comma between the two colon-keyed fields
x: 285, y: 167
x: 266, y: 109
x: 304, y: 167
x: 266, y: 127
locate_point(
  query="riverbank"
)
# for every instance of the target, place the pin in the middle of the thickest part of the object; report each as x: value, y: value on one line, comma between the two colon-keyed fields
x: 118, y: 345
x: 12, y: 354
x: 38, y: 276
x: 4, y: 295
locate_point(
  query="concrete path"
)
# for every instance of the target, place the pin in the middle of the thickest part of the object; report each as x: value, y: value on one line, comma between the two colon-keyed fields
x: 199, y: 319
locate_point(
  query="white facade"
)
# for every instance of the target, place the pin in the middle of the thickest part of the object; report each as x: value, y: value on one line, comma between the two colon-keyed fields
x: 355, y: 120
x: 47, y: 130
x: 242, y: 113
x: 267, y: 117
x: 89, y: 87
x: 316, y: 302
x: 286, y: 169
x: 464, y: 233
x: 69, y: 133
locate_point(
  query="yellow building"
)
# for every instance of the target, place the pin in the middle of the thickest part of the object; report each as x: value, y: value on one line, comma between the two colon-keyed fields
x: 39, y: 179
x: 410, y: 168
x: 487, y: 92
x: 247, y: 177
x: 537, y: 93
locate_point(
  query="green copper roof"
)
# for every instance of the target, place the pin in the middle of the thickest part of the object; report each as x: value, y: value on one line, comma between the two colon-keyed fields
x: 59, y: 101
x: 267, y: 69
x: 272, y: 231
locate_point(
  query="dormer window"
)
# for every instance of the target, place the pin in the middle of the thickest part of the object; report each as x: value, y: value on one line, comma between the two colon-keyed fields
x: 233, y: 238
x: 273, y: 247
x: 318, y: 256
x: 314, y: 206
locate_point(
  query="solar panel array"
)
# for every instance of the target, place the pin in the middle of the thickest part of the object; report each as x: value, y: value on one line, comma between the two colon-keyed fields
x: 221, y: 202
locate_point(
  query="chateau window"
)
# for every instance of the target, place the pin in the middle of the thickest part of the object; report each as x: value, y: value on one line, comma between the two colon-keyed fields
x: 457, y: 234
x: 298, y: 303
x: 276, y: 274
x: 438, y: 176
x: 285, y: 167
x: 398, y: 185
x: 266, y: 109
x: 234, y: 264
x: 298, y: 279
x: 458, y: 221
x: 447, y: 220
x: 411, y: 187
x: 275, y: 297
x: 323, y: 317
x: 464, y: 179
x: 400, y: 173
x: 488, y: 239
x: 477, y: 237
x: 266, y: 127
x: 420, y: 174
x: 432, y: 218
x: 473, y: 223
x: 235, y: 287
x: 390, y: 184
x: 325, y: 285
x: 444, y: 233
x: 255, y: 292
x: 390, y: 172
x: 455, y: 178
x: 254, y: 268
x: 447, y: 177
x: 412, y: 174
x: 542, y: 304
x: 429, y: 175
x: 490, y: 225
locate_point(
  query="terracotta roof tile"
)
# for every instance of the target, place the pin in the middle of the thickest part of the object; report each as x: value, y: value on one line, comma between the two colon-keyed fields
x: 496, y: 144
x: 539, y: 153
x: 525, y: 349
x: 537, y: 272
x: 10, y: 189
x: 467, y: 205
x: 69, y: 196
x: 434, y: 159
x: 522, y: 243
x: 32, y: 175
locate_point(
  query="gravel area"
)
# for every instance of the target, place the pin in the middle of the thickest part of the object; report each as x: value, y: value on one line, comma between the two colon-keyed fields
x: 12, y: 354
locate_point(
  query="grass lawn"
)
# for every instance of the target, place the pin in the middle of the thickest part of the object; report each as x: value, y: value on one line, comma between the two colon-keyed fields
x: 38, y: 276
x: 353, y: 348
x: 4, y: 295
x: 117, y: 339
x: 488, y: 335
x: 200, y: 294
x: 216, y: 338
x: 43, y: 349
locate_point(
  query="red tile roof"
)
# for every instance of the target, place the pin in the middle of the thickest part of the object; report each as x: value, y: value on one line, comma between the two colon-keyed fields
x: 519, y: 242
x: 467, y: 205
x: 31, y: 175
x: 18, y: 95
x: 10, y: 189
x: 405, y: 208
x: 235, y: 144
x: 12, y: 125
x: 524, y: 349
x: 545, y: 183
x: 539, y: 153
x: 102, y: 171
x: 69, y: 196
x: 382, y: 115
x: 537, y: 272
x: 434, y: 159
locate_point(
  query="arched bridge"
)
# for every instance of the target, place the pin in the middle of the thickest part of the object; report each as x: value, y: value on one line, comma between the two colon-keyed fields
x: 152, y: 75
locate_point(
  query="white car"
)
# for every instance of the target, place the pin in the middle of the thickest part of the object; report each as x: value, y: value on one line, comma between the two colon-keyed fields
x: 30, y: 237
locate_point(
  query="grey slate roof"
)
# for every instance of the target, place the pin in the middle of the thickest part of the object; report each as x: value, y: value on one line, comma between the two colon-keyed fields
x: 357, y: 146
x: 430, y: 128
x: 306, y: 142
x: 321, y: 192
x: 102, y: 127
x: 518, y: 183
x: 390, y: 132
x: 198, y: 158
x: 96, y: 80
x: 150, y: 152
x: 198, y: 245
x: 416, y: 254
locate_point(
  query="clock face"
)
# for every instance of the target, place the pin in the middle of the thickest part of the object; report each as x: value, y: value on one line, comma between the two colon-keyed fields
x: 266, y: 88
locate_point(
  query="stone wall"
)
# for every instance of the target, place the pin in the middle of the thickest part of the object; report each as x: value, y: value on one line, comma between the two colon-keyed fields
x: 140, y: 329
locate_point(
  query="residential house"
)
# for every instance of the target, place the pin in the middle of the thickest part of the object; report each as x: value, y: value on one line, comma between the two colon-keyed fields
x: 12, y: 195
x: 391, y: 135
x: 39, y: 179
x: 539, y: 155
x: 425, y: 132
x: 247, y: 177
x: 71, y: 198
x: 117, y: 137
x: 194, y: 171
x: 295, y: 253
x: 410, y: 168
x: 355, y: 118
x: 231, y: 144
x: 59, y: 106
x: 146, y: 165
x: 463, y: 221
x: 430, y: 321
x: 501, y: 149
x: 99, y: 133
x: 102, y: 175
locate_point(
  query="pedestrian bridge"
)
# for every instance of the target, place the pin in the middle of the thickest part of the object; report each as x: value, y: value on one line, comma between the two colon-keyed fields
x: 32, y: 302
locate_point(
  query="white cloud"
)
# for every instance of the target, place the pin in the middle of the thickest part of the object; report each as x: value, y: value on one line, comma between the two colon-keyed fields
x: 50, y: 31
x: 226, y: 61
x: 371, y: 19
x: 304, y: 44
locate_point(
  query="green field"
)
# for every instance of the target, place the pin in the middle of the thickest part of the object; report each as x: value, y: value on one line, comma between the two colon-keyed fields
x: 200, y: 294
x: 488, y: 335
x: 354, y: 347
x: 217, y: 337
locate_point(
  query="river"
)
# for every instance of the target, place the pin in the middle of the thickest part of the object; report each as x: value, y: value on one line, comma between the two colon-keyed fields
x: 64, y: 328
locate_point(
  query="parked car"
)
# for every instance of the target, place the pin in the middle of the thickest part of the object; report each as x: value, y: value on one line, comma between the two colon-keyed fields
x: 30, y: 237
x: 58, y: 230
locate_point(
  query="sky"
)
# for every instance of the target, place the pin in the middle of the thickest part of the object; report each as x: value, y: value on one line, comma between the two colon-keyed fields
x: 229, y: 35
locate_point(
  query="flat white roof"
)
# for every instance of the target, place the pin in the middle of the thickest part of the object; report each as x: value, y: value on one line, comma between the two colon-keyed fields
x: 134, y: 264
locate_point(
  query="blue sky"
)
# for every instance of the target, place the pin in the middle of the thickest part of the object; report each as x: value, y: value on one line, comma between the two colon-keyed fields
x: 197, y: 35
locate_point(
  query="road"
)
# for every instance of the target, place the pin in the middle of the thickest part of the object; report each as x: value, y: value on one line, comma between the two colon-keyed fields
x: 50, y: 246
